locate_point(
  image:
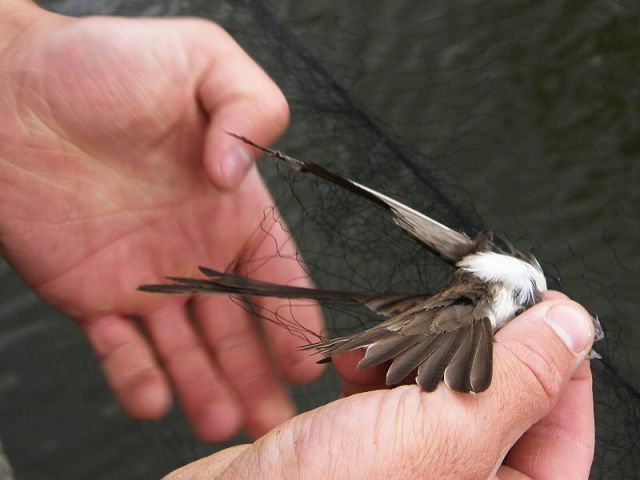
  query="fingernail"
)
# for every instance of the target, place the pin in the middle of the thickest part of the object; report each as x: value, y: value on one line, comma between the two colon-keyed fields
x: 234, y: 166
x: 572, y: 325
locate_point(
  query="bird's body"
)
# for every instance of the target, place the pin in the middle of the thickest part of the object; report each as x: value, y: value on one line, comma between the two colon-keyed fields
x: 447, y: 335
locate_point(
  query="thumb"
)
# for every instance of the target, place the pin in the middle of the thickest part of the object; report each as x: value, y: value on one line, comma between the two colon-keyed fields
x: 238, y: 97
x: 535, y: 357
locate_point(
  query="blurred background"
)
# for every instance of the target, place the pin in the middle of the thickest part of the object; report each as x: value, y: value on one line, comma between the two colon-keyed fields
x: 517, y: 116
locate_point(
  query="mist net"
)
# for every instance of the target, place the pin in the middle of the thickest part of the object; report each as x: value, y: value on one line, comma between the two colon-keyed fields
x: 517, y: 117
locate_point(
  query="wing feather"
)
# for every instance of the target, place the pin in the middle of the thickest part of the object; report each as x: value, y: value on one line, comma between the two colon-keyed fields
x: 482, y: 369
x: 230, y: 284
x: 457, y: 375
x: 431, y: 370
x: 408, y: 361
x: 449, y: 244
x: 386, y: 349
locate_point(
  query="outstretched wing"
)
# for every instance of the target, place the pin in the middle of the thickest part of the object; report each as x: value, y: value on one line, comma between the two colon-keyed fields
x: 445, y: 336
x: 449, y: 244
x: 442, y: 336
x: 226, y: 283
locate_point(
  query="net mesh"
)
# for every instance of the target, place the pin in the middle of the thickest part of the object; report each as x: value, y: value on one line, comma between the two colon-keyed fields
x: 520, y: 117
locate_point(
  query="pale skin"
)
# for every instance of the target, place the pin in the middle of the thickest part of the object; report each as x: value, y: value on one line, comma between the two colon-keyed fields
x: 112, y: 154
x: 115, y: 171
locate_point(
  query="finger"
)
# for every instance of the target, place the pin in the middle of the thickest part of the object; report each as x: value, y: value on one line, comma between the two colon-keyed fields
x: 128, y: 362
x: 355, y: 380
x: 553, y: 295
x: 241, y: 98
x: 208, y: 401
x: 209, y: 467
x: 507, y: 473
x: 242, y: 356
x: 534, y: 358
x: 568, y: 432
x: 348, y: 389
x: 271, y: 256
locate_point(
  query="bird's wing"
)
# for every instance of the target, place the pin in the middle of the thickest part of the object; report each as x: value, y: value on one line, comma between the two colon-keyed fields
x: 226, y: 283
x: 447, y: 336
x: 449, y: 244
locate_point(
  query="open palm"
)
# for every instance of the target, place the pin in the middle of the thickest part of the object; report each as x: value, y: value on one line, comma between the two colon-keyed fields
x: 116, y: 172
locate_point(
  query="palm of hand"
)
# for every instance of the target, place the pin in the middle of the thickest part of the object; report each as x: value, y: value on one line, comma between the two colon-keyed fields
x: 115, y: 146
x: 104, y: 148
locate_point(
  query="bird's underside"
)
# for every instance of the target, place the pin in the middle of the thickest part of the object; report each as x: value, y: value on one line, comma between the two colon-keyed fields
x: 446, y: 336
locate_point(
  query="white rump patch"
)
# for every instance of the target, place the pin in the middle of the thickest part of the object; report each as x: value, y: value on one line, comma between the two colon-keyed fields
x: 517, y: 274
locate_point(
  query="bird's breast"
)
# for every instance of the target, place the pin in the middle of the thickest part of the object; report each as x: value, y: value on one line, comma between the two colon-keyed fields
x: 504, y: 305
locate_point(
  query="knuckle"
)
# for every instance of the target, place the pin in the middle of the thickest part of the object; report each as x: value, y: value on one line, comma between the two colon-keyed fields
x: 542, y: 378
x: 178, y: 351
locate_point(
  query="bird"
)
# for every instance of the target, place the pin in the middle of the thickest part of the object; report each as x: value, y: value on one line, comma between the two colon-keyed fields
x: 446, y: 336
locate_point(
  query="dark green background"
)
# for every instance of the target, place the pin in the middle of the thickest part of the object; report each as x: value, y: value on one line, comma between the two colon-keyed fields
x: 526, y: 114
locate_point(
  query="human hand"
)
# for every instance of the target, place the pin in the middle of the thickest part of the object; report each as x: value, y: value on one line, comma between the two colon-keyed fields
x: 535, y: 421
x: 115, y: 172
